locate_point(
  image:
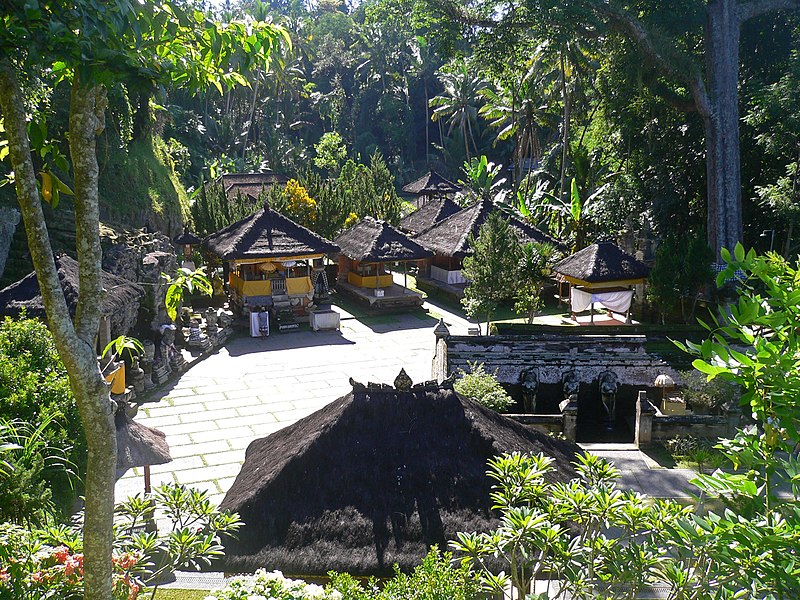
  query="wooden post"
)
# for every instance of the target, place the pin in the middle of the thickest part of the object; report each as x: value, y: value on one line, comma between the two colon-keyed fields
x: 147, y: 479
x: 405, y: 276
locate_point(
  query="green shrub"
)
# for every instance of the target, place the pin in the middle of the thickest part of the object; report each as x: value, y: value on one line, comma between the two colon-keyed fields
x: 705, y: 396
x: 34, y: 389
x: 483, y: 388
x: 435, y: 579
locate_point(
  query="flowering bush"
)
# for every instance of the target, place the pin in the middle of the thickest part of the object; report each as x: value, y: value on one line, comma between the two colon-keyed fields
x: 39, y: 564
x: 271, y: 586
x: 48, y: 563
x: 300, y: 206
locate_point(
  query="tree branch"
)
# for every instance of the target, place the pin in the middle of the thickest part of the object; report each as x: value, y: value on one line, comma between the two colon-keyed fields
x: 15, y: 120
x: 756, y: 8
x: 633, y: 29
x: 86, y: 121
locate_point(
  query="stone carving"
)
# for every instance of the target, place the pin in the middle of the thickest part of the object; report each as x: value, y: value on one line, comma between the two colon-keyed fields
x: 608, y: 384
x: 529, y: 379
x: 402, y: 382
x: 211, y: 322
x: 570, y: 384
x: 147, y: 363
x: 136, y: 377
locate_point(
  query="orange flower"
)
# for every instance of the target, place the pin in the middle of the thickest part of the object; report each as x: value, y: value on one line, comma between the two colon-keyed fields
x: 4, y: 575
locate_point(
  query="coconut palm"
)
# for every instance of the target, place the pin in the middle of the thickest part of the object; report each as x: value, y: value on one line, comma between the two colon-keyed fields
x: 459, y: 101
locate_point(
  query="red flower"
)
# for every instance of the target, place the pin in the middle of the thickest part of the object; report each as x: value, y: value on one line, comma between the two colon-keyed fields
x: 134, y: 593
x: 127, y: 560
x: 60, y: 554
x: 37, y: 577
x: 4, y: 574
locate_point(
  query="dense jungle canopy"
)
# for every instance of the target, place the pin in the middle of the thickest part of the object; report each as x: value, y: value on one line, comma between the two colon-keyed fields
x: 589, y: 110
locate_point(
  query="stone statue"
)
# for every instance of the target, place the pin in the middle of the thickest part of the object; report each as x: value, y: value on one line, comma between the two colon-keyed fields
x: 136, y: 376
x: 211, y: 321
x: 570, y: 384
x: 608, y: 385
x: 529, y: 379
x: 147, y: 363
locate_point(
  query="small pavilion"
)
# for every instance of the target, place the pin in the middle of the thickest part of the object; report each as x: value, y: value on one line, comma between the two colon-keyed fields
x: 601, y: 274
x: 269, y: 260
x: 367, y: 248
x: 119, y: 308
x: 449, y: 242
x: 428, y: 215
x: 188, y: 240
x: 250, y: 184
x: 430, y: 186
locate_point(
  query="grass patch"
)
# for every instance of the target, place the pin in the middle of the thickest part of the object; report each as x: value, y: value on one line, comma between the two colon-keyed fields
x: 172, y: 594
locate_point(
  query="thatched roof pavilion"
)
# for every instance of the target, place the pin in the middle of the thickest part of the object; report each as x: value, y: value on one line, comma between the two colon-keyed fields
x: 120, y: 303
x: 450, y: 237
x: 267, y: 234
x: 428, y: 215
x: 250, y: 184
x: 430, y: 186
x: 374, y: 241
x: 601, y: 273
x: 366, y: 248
x: 601, y: 265
x: 263, y: 251
x: 373, y: 479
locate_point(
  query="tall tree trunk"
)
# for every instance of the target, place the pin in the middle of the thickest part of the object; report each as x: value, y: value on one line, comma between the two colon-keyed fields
x: 564, y: 130
x: 252, y: 116
x: 722, y: 127
x: 427, y: 125
x: 75, y: 341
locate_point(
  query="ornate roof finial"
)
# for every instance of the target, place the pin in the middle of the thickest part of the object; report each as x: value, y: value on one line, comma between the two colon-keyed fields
x: 402, y: 382
x: 441, y: 330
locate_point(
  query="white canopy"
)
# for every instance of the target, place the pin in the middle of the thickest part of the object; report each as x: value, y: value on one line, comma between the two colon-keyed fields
x: 619, y: 300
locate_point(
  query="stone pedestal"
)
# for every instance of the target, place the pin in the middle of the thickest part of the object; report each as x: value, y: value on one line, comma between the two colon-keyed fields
x: 645, y: 411
x: 569, y: 408
x: 324, y: 319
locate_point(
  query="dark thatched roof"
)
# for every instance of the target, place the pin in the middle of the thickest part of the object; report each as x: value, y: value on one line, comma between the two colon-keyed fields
x: 25, y: 293
x: 432, y: 184
x: 187, y: 238
x: 139, y: 445
x: 600, y: 262
x: 250, y: 184
x: 376, y: 241
x: 450, y: 237
x: 373, y: 479
x: 267, y: 234
x: 428, y: 215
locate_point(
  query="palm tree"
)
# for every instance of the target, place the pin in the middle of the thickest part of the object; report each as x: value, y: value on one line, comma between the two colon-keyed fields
x: 458, y: 102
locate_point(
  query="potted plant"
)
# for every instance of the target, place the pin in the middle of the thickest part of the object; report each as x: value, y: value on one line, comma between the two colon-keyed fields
x: 114, y: 369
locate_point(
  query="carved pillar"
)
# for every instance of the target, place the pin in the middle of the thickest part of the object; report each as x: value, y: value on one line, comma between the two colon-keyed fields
x: 570, y: 412
x: 645, y: 412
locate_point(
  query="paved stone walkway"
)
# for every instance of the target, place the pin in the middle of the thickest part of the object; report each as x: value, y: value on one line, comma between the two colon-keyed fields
x: 255, y: 386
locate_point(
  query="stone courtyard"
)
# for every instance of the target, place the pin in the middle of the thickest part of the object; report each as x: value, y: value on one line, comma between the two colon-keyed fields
x: 255, y: 386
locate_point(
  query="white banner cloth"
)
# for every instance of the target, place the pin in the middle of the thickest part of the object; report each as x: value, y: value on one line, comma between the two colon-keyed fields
x: 617, y: 301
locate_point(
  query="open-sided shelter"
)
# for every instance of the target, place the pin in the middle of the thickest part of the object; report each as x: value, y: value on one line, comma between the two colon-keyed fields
x: 428, y: 215
x: 449, y: 239
x: 602, y: 274
x: 119, y: 307
x: 269, y: 259
x: 430, y: 186
x: 367, y: 248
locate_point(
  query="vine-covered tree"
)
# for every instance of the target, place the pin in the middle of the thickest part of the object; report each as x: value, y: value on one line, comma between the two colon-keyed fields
x: 91, y: 47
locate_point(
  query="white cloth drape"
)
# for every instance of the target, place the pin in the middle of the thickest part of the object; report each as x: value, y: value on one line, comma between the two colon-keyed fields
x: 617, y: 301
